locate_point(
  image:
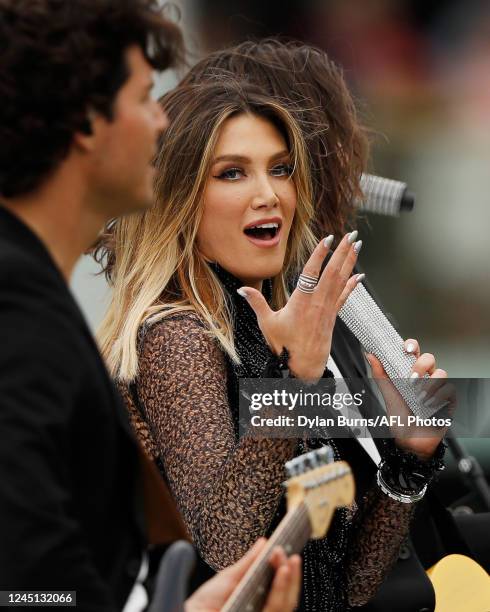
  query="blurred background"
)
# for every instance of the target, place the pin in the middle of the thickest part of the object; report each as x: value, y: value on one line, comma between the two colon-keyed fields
x: 420, y: 71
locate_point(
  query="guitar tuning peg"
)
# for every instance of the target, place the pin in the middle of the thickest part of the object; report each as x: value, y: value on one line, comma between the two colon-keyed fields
x: 313, y: 459
x: 289, y: 469
x: 292, y: 468
x: 302, y: 463
x: 325, y: 455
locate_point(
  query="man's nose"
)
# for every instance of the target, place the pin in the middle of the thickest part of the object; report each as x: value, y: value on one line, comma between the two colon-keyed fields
x: 161, y: 118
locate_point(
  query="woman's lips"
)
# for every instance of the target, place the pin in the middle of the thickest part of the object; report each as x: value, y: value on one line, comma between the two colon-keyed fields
x: 265, y: 244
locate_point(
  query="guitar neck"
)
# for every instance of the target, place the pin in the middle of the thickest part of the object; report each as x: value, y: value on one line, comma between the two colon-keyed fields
x: 291, y: 534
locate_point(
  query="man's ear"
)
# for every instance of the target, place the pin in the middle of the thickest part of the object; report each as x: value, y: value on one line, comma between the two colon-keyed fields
x: 85, y: 137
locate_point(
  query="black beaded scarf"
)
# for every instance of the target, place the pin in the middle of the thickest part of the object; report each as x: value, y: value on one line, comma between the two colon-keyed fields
x: 324, y: 584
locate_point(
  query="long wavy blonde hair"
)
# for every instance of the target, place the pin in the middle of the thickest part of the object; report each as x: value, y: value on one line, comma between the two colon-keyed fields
x: 152, y: 259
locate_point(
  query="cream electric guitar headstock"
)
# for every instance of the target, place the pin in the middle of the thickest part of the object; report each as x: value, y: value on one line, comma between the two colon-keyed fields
x: 315, y: 488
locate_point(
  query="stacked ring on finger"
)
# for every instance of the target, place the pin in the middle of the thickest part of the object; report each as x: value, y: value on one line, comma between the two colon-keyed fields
x: 307, y: 283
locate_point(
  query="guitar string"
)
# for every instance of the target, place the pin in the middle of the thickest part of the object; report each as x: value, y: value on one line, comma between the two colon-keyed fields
x: 296, y: 530
x: 299, y: 535
x: 263, y: 564
x: 301, y: 532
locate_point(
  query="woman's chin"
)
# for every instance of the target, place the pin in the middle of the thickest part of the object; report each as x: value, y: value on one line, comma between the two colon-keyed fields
x: 269, y: 269
x: 258, y: 274
x: 249, y: 268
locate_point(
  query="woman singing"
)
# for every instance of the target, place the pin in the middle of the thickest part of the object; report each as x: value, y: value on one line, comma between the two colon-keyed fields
x: 230, y: 229
x: 314, y: 88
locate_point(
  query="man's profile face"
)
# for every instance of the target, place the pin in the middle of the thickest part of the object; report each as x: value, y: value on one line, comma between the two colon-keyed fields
x: 126, y: 145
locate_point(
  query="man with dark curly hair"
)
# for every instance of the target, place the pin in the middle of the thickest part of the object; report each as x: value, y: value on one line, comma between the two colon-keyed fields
x: 78, y: 131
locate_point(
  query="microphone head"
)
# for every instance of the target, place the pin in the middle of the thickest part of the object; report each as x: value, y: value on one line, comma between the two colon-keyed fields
x: 384, y: 196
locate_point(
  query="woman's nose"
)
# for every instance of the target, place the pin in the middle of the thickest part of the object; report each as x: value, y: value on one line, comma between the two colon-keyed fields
x: 265, y: 196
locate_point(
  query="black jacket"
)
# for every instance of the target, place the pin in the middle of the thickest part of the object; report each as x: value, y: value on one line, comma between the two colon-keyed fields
x: 70, y: 513
x: 433, y: 533
x: 407, y: 587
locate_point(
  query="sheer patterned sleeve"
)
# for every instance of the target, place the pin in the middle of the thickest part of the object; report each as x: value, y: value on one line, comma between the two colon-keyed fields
x: 380, y: 525
x: 226, y: 490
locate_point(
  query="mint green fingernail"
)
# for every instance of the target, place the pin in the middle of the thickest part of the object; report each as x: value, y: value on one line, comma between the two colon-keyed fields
x: 352, y: 237
x: 327, y: 243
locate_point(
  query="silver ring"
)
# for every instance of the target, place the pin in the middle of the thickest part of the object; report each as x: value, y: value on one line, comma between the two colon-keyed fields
x: 307, y: 283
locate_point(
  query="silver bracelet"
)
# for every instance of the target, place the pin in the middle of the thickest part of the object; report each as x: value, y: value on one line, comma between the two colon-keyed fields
x: 396, y: 495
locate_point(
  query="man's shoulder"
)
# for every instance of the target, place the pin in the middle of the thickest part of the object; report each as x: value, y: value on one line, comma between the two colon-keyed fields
x: 29, y: 280
x: 14, y: 254
x: 36, y: 310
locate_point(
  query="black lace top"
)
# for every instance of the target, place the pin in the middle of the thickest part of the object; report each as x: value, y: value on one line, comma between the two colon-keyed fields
x: 229, y: 490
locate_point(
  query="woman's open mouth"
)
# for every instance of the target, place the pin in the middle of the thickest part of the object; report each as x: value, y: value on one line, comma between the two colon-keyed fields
x: 264, y: 234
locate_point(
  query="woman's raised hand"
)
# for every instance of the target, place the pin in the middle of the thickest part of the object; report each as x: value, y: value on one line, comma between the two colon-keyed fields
x: 305, y: 324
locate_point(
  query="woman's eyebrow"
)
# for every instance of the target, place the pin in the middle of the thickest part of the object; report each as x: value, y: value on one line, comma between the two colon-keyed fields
x: 283, y: 153
x: 246, y: 160
x: 232, y: 157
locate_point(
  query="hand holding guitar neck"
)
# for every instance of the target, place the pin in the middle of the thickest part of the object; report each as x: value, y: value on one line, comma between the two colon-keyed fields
x: 282, y: 596
x: 316, y: 487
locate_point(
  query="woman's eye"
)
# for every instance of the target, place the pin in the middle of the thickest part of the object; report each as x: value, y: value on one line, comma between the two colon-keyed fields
x: 282, y: 170
x: 232, y: 174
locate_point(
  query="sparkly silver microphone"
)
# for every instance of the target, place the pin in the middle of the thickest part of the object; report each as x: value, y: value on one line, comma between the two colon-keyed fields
x: 384, y: 196
x: 377, y: 335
